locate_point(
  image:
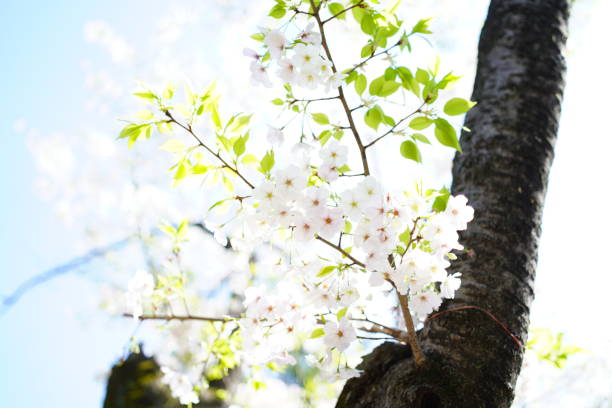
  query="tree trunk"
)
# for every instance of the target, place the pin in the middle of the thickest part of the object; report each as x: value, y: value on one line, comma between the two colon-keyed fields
x: 472, y: 361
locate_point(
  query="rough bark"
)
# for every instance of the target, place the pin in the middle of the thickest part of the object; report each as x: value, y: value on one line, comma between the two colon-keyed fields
x: 503, y: 171
x: 136, y: 383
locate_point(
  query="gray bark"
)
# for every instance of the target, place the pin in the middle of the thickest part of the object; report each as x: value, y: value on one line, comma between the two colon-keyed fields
x: 503, y: 171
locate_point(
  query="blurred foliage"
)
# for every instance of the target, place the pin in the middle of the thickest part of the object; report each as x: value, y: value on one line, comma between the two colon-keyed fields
x: 549, y: 346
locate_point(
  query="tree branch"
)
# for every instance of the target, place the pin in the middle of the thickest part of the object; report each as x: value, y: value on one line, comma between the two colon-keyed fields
x: 362, y: 63
x: 347, y: 110
x: 52, y: 273
x: 419, y: 357
x: 217, y: 155
x: 342, y: 251
x: 359, y: 4
x: 395, y: 126
x: 180, y: 318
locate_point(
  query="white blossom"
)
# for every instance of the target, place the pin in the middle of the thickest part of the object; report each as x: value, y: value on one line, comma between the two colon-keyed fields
x: 276, y: 42
x: 339, y: 335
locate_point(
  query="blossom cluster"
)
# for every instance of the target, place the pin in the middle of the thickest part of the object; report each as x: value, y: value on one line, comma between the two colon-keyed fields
x: 370, y: 242
x: 299, y: 62
x: 398, y: 241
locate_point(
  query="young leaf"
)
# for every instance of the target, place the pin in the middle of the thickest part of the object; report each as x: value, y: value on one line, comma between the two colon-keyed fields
x: 278, y: 11
x: 240, y: 145
x: 214, y: 115
x: 267, y: 162
x: 144, y: 114
x: 368, y: 25
x: 320, y: 118
x: 420, y: 123
x: 373, y: 117
x: 422, y: 26
x: 422, y: 76
x: 458, y: 106
x: 316, y: 333
x: 446, y: 135
x: 381, y: 87
x: 240, y: 122
x: 324, y: 136
x: 326, y: 271
x: 440, y: 202
x: 335, y: 8
x: 173, y: 145
x: 147, y: 96
x: 409, y: 150
x: 360, y: 84
x: 420, y: 137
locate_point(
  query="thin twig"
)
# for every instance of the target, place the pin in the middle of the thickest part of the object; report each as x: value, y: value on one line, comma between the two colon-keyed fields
x: 180, y: 318
x: 217, y: 155
x: 342, y: 251
x: 375, y: 338
x: 347, y: 110
x: 374, y: 55
x: 395, y: 126
x: 291, y: 102
x: 342, y: 12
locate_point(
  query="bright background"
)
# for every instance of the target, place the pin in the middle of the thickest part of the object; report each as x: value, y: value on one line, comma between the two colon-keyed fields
x: 56, y: 345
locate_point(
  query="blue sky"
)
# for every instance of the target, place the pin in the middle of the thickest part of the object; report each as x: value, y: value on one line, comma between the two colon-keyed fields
x: 42, y: 347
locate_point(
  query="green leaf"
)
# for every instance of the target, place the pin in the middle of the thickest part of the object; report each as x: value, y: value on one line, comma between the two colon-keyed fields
x: 422, y: 26
x: 420, y: 123
x: 341, y: 313
x: 168, y: 92
x: 381, y: 87
x: 458, y: 106
x: 181, y: 172
x: 173, y: 145
x: 277, y: 101
x: 358, y: 14
x: 373, y: 117
x: 129, y: 130
x: 199, y: 169
x: 324, y: 136
x: 316, y: 333
x: 225, y: 142
x: 347, y: 227
x: 320, y: 118
x: 258, y: 37
x: 278, y: 11
x: 214, y: 115
x: 335, y: 8
x: 390, y: 74
x: 144, y: 114
x: 240, y: 122
x: 409, y: 150
x: 326, y: 270
x: 446, y: 135
x: 218, y: 203
x: 267, y: 162
x: 164, y: 127
x: 368, y: 25
x: 240, y: 145
x: 360, y: 84
x: 249, y: 159
x: 422, y: 76
x: 448, y: 79
x: 148, y: 96
x: 440, y: 202
x: 420, y: 137
x: 367, y: 50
